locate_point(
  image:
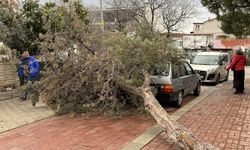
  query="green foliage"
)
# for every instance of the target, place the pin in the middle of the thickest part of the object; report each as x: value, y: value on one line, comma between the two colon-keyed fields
x: 234, y: 14
x: 142, y: 53
x: 233, y: 24
x: 21, y: 28
x: 12, y: 31
x: 81, y: 11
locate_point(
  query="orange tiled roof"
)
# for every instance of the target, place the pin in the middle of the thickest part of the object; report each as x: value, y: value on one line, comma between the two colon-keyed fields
x: 230, y: 44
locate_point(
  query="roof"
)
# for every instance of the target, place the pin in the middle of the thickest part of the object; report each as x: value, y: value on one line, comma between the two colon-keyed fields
x: 231, y: 44
x: 205, y: 21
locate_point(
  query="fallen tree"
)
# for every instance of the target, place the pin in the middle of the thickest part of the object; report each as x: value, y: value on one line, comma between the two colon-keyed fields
x: 109, y: 76
x: 115, y: 83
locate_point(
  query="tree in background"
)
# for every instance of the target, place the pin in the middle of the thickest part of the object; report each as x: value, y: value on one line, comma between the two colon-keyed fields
x: 141, y: 11
x: 21, y: 27
x: 172, y: 13
x: 12, y: 26
x: 175, y: 12
x: 234, y: 15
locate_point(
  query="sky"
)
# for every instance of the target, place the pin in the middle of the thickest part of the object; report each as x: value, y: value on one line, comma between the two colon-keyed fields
x: 202, y: 15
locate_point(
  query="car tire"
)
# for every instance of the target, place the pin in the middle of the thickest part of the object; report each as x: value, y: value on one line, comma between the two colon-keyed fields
x: 218, y: 79
x: 197, y: 91
x: 179, y: 100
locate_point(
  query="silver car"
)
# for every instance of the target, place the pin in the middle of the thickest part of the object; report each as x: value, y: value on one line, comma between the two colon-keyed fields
x: 175, y: 82
x: 211, y: 66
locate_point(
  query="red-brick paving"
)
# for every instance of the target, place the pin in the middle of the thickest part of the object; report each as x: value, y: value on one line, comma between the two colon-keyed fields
x: 65, y: 133
x: 222, y: 119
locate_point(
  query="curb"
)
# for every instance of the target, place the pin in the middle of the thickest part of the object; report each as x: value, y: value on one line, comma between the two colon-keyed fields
x: 146, y: 137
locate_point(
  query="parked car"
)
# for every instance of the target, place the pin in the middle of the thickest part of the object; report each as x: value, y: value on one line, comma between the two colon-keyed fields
x: 212, y: 66
x: 175, y: 82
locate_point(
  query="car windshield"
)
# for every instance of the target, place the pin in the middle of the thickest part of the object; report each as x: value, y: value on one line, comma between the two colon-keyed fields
x: 206, y: 60
x: 163, y: 71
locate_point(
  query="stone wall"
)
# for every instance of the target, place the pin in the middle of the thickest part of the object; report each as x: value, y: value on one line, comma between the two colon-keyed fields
x: 8, y: 75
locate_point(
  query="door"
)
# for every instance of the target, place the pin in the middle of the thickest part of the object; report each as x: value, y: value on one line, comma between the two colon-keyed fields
x: 176, y: 82
x: 185, y: 79
x: 192, y: 79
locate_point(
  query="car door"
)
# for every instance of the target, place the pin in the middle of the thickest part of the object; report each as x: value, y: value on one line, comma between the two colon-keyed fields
x: 184, y: 77
x: 191, y: 77
x: 176, y: 82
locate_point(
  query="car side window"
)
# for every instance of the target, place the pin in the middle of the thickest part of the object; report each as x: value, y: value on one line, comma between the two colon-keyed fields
x: 175, y: 71
x: 183, y: 71
x: 188, y: 68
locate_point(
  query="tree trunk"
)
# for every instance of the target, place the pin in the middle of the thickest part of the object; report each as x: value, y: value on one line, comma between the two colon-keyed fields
x: 178, y: 134
x: 168, y: 32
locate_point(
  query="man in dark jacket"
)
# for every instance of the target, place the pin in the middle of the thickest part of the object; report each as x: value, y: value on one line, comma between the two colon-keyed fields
x: 238, y: 66
x: 28, y: 71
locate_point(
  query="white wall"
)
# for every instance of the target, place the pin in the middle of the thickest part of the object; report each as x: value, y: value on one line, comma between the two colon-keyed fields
x: 196, y: 41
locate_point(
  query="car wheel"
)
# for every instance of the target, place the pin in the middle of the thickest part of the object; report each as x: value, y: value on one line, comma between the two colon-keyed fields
x: 218, y: 79
x: 197, y: 91
x: 179, y: 99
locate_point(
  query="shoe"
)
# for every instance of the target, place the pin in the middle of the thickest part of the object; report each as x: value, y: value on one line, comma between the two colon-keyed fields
x: 22, y: 99
x: 236, y: 92
x: 241, y: 92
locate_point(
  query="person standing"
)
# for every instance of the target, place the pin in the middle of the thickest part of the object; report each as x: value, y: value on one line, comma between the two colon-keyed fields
x: 28, y: 72
x: 238, y: 67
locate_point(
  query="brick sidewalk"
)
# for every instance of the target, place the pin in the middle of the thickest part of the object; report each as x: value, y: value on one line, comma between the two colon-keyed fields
x: 222, y: 119
x: 60, y: 133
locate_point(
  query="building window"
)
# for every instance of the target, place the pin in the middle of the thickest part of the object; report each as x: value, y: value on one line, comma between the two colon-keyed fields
x: 197, y: 26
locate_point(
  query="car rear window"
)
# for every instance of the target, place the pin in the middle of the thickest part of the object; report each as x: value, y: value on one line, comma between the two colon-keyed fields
x: 163, y: 71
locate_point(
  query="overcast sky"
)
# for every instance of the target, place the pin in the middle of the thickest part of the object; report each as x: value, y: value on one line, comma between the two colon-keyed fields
x: 202, y: 15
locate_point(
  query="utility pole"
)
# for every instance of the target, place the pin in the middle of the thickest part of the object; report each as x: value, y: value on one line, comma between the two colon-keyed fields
x: 101, y: 17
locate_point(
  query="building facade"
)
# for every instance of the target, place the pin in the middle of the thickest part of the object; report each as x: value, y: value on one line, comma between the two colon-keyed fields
x: 211, y: 26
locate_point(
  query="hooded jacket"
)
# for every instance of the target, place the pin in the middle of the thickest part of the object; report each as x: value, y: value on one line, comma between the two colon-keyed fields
x: 33, y: 67
x: 238, y: 62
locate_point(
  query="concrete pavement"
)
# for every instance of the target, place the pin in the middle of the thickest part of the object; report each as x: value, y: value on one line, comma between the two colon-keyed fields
x: 15, y: 113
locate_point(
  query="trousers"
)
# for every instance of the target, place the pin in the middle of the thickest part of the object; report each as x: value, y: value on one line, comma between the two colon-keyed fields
x: 239, y: 78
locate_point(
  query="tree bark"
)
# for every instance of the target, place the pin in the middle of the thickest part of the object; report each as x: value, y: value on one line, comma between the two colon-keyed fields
x: 173, y: 129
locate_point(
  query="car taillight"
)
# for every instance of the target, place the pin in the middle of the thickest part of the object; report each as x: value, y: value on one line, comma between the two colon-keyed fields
x: 167, y: 89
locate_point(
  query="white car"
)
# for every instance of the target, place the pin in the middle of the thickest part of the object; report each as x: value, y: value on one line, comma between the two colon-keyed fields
x: 211, y: 66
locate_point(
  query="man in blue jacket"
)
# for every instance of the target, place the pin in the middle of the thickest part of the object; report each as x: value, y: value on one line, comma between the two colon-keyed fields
x: 28, y: 71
